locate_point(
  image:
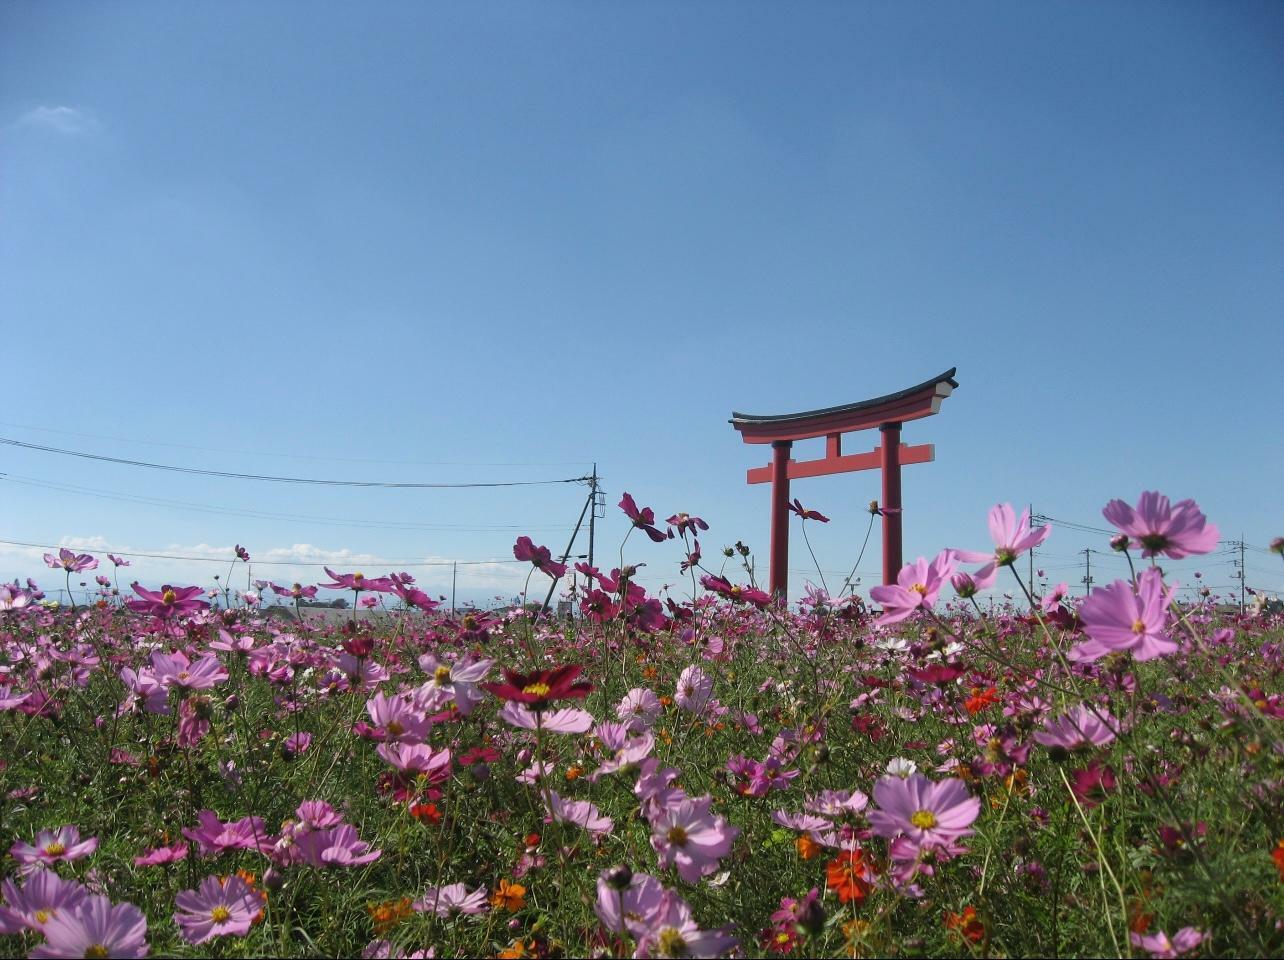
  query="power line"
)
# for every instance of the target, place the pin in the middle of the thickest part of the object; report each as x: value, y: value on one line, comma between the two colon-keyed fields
x: 367, y: 561
x: 272, y: 479
x: 289, y: 456
x: 265, y: 515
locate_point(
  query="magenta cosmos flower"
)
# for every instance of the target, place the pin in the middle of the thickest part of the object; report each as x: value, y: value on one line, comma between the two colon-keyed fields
x: 177, y: 670
x: 643, y: 519
x: 806, y: 514
x: 1012, y: 537
x: 95, y: 928
x: 540, y: 557
x: 357, y: 582
x: 213, y: 836
x: 1157, y: 526
x: 218, y: 907
x: 687, y: 836
x: 168, y: 601
x: 297, y: 591
x: 1116, y: 619
x: 52, y: 846
x: 71, y: 561
x: 928, y: 814
x: 1162, y: 947
x: 916, y: 587
x: 336, y: 847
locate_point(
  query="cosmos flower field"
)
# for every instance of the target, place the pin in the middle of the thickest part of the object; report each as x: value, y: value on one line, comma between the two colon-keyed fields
x: 707, y: 773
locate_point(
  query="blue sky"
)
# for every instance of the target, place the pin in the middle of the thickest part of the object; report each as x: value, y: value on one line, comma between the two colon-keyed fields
x: 414, y: 241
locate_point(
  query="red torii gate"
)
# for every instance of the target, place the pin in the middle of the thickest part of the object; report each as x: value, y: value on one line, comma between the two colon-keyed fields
x: 887, y: 413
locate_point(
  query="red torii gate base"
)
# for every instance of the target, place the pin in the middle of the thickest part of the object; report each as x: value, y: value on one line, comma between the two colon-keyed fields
x: 887, y: 413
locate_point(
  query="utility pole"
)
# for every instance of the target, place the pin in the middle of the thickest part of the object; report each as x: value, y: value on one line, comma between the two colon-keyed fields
x: 1031, y: 516
x: 590, y: 505
x: 1239, y: 574
x: 454, y: 576
x: 592, y: 512
x: 1087, y: 572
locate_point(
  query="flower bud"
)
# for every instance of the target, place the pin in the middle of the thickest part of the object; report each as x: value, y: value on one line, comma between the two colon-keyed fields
x: 619, y: 878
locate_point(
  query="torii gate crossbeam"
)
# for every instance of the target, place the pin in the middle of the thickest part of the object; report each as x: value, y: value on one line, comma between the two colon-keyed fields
x: 887, y: 414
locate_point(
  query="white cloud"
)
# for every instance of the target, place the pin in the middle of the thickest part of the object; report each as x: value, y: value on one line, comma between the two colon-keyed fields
x: 67, y: 121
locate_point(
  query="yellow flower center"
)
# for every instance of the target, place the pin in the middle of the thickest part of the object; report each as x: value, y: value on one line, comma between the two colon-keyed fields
x: 168, y: 596
x: 441, y: 675
x: 677, y: 835
x: 184, y: 675
x: 470, y: 622
x: 919, y: 588
x: 923, y: 819
x: 43, y: 915
x: 220, y: 914
x: 55, y: 849
x: 358, y: 577
x: 536, y: 689
x: 671, y: 943
x: 395, y: 728
x: 1138, y: 627
x: 96, y: 950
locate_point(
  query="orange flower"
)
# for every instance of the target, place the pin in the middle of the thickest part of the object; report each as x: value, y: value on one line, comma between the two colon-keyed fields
x: 385, y: 916
x: 966, y: 924
x: 426, y: 813
x: 808, y: 848
x: 509, y: 896
x: 515, y: 951
x: 574, y: 772
x: 1278, y: 856
x: 980, y: 699
x: 850, y: 876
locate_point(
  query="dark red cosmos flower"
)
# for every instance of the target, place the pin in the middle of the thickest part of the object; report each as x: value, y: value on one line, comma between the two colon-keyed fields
x: 806, y: 514
x: 938, y: 673
x: 1093, y: 783
x: 537, y: 690
x: 693, y: 558
x: 541, y: 557
x: 723, y: 587
x: 643, y: 519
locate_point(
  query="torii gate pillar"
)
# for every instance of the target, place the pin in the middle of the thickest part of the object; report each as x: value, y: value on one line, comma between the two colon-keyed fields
x: 887, y: 414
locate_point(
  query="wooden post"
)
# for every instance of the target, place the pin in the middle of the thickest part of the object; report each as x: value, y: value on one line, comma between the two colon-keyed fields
x: 891, y: 455
x: 780, y: 518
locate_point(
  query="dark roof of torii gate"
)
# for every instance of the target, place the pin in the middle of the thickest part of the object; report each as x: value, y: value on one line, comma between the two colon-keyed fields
x: 921, y: 400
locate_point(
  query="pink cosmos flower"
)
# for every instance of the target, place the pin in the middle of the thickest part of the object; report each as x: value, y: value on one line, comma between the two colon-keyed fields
x: 916, y: 587
x: 296, y: 591
x: 625, y: 900
x: 928, y: 814
x: 581, y: 813
x: 694, y: 689
x: 159, y: 856
x: 395, y: 718
x: 118, y: 561
x: 672, y: 932
x: 40, y: 898
x: 11, y: 598
x: 456, y: 681
x: 218, y: 908
x: 168, y: 602
x: 687, y: 836
x: 1012, y: 538
x: 176, y: 670
x: 1156, y: 526
x: 735, y: 592
x: 51, y: 846
x: 1115, y: 618
x: 71, y: 561
x: 357, y: 582
x: 95, y: 928
x: 566, y: 720
x: 1159, y: 945
x: 638, y: 709
x: 416, y: 758
x: 451, y: 899
x: 643, y: 519
x: 540, y: 557
x: 1078, y: 728
x: 335, y: 847
x: 213, y: 836
x: 625, y: 751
